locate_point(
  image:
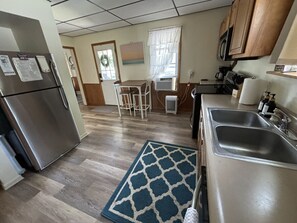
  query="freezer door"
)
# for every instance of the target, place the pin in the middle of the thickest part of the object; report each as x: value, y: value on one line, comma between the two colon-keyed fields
x: 43, y: 124
x: 12, y: 83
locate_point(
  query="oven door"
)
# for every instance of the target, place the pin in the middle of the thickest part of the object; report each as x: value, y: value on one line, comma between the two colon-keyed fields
x: 196, y: 94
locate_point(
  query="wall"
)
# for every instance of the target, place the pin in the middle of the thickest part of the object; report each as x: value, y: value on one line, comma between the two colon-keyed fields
x: 285, y: 88
x: 67, y: 41
x: 199, y: 46
x: 290, y: 48
x: 40, y: 10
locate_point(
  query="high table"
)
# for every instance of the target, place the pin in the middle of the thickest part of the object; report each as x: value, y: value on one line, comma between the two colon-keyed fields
x: 136, y: 84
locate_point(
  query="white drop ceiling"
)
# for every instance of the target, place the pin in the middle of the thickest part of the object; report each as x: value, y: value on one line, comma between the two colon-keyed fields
x: 81, y: 17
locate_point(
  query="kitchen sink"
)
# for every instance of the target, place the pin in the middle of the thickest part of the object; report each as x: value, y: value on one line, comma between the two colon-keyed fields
x: 255, y: 143
x: 235, y: 117
x: 245, y: 135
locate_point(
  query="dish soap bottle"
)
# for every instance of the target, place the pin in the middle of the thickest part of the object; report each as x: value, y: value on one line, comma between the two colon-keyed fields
x: 263, y: 101
x: 269, y: 106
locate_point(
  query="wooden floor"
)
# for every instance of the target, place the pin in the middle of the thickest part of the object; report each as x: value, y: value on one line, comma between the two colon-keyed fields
x: 76, y: 187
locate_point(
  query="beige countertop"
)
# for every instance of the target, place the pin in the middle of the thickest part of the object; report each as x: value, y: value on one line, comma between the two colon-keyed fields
x: 245, y: 192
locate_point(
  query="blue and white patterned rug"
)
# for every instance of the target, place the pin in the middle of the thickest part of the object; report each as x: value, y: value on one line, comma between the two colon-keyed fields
x: 158, y: 187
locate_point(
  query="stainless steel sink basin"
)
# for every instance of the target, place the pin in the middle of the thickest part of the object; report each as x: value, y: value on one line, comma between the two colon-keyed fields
x: 255, y: 143
x: 235, y: 117
x: 248, y: 136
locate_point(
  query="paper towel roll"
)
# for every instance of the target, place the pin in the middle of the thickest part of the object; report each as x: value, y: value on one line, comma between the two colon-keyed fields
x: 252, y: 90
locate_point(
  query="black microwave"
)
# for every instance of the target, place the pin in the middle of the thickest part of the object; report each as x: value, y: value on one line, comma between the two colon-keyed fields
x: 224, y: 46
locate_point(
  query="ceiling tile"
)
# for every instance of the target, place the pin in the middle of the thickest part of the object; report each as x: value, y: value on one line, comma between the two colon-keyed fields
x: 109, y: 4
x: 179, y: 3
x: 73, y: 9
x: 64, y: 27
x: 78, y: 32
x: 113, y: 25
x: 94, y: 20
x: 52, y: 2
x: 203, y: 6
x: 155, y: 16
x: 142, y: 8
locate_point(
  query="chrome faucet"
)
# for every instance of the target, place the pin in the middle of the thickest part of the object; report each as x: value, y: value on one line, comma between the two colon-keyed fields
x: 284, y: 125
x: 280, y: 119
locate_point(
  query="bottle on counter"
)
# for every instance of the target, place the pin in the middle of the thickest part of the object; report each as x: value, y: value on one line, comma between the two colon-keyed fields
x: 263, y: 101
x: 269, y: 106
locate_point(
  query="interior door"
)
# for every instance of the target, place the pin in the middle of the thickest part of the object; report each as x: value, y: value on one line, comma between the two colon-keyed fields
x: 108, y: 71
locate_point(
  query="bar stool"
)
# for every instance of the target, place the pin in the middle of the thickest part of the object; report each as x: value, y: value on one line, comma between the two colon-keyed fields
x: 125, y: 101
x: 147, y: 102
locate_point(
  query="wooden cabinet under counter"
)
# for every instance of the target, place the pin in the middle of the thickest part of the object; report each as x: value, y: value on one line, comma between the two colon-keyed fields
x: 268, y: 17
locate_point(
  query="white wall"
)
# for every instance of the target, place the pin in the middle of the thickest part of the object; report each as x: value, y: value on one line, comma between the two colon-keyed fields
x: 199, y: 45
x: 41, y: 10
x: 67, y: 41
x: 290, y: 48
x: 7, y: 42
x: 285, y: 88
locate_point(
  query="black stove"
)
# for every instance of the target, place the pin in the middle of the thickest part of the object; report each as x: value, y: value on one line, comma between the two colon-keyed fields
x: 231, y: 81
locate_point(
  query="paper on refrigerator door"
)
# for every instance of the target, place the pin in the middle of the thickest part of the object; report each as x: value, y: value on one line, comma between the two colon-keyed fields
x: 6, y: 65
x: 27, y: 70
x: 43, y: 64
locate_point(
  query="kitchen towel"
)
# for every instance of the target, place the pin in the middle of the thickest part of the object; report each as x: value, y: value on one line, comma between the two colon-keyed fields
x: 191, y: 216
x: 251, y: 91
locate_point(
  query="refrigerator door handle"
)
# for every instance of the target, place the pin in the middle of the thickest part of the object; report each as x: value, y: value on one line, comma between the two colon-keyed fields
x: 53, y: 68
x: 63, y: 97
x: 58, y: 82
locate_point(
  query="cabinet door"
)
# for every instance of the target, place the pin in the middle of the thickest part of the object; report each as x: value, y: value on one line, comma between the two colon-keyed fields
x: 243, y: 17
x: 233, y: 13
x: 268, y: 19
x: 224, y: 25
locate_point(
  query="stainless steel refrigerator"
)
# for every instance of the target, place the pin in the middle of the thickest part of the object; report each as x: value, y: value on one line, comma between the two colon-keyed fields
x: 35, y: 104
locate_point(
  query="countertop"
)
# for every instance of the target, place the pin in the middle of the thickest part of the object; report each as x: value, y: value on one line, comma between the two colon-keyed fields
x: 241, y: 191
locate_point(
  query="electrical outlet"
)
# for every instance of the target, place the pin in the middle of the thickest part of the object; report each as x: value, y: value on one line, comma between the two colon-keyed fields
x: 191, y: 73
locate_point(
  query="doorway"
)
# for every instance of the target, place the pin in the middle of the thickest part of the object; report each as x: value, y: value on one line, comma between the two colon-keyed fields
x: 106, y: 58
x: 72, y: 64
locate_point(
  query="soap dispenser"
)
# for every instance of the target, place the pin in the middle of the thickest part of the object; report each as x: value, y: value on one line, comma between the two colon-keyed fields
x: 263, y: 101
x: 269, y: 106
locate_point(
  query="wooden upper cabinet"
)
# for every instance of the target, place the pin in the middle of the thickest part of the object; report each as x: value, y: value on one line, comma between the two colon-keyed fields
x: 267, y: 21
x: 225, y: 24
x: 233, y: 13
x: 241, y: 17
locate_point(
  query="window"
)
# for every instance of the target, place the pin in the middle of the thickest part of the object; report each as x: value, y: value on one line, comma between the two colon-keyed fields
x: 107, y: 64
x: 164, y: 52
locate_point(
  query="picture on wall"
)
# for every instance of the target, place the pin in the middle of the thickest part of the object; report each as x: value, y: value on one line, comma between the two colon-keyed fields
x: 132, y: 53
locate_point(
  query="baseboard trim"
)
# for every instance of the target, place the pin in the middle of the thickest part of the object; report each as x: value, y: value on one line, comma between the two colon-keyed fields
x: 14, y: 181
x: 82, y: 136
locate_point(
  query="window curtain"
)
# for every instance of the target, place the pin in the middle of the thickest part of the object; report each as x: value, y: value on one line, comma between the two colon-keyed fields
x: 163, y: 44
